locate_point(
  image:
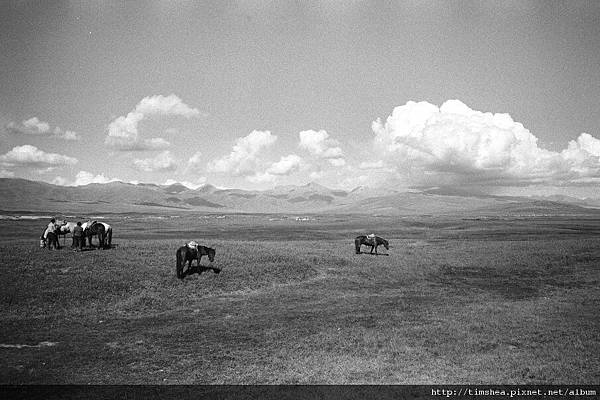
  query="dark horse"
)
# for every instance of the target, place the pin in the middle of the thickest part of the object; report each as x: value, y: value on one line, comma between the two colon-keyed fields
x: 51, y: 240
x: 373, y: 242
x: 188, y: 254
x: 95, y: 229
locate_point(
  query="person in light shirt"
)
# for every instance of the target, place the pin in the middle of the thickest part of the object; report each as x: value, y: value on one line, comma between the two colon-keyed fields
x: 51, y: 228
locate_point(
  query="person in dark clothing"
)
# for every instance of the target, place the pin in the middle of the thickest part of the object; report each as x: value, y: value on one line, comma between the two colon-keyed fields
x: 78, y: 237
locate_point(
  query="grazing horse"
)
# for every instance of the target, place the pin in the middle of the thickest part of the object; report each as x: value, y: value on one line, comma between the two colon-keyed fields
x: 94, y: 228
x: 50, y: 240
x: 373, y: 242
x: 188, y: 254
x: 64, y: 228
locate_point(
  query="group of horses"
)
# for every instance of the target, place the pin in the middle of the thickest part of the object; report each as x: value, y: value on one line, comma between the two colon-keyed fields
x: 185, y: 254
x: 101, y: 230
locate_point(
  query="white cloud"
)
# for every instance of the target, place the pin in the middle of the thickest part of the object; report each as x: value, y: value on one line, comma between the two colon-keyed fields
x: 126, y: 144
x: 261, y: 177
x: 316, y: 175
x: 455, y: 144
x: 195, y: 160
x: 156, y: 143
x: 318, y: 143
x: 83, y: 178
x: 37, y: 126
x: 201, y: 181
x: 34, y: 127
x: 371, y: 165
x: 123, y: 131
x: 65, y: 135
x: 583, y: 156
x: 336, y: 162
x: 60, y: 181
x: 163, y: 161
x: 286, y: 165
x: 165, y: 105
x: 243, y: 159
x: 31, y: 156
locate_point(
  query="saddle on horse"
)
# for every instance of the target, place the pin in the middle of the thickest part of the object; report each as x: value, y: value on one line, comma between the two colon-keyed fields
x: 371, y: 238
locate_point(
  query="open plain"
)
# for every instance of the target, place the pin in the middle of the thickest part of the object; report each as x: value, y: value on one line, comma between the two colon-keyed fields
x: 455, y: 300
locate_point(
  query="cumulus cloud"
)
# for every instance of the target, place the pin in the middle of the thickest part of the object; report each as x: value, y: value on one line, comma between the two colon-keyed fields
x: 31, y: 156
x: 320, y: 144
x: 583, y: 156
x: 163, y: 161
x: 83, y: 178
x: 337, y: 162
x: 261, y: 177
x: 455, y: 144
x: 243, y: 159
x: 65, y: 135
x: 314, y: 175
x: 195, y: 160
x: 201, y: 181
x: 286, y: 165
x: 123, y: 131
x: 34, y: 127
x: 371, y: 165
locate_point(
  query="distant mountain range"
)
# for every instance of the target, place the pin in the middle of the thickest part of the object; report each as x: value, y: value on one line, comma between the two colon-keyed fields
x: 18, y: 195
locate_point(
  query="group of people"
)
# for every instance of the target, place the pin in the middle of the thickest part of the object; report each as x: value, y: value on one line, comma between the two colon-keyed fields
x: 77, y: 233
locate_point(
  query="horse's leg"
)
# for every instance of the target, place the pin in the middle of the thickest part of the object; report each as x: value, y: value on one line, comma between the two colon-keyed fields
x: 372, y: 247
x: 375, y: 249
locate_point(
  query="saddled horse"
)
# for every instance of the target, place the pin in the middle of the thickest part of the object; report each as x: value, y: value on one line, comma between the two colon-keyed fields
x: 100, y: 229
x: 188, y: 254
x: 50, y: 241
x: 64, y: 228
x: 373, y: 242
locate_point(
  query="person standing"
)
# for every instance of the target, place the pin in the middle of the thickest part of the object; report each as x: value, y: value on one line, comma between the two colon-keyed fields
x: 78, y: 236
x: 51, y: 228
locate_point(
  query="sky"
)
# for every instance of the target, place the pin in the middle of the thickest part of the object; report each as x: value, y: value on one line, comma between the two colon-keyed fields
x: 497, y: 96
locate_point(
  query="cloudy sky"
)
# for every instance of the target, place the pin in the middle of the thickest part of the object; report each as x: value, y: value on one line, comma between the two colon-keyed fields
x: 502, y: 97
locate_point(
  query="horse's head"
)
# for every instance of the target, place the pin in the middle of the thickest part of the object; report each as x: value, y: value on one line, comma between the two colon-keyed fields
x: 385, y: 244
x: 211, y: 254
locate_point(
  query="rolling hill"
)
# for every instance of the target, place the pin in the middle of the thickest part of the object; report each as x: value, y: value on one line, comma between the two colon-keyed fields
x: 20, y: 195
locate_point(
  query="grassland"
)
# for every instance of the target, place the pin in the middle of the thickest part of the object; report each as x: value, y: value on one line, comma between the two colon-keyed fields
x: 502, y: 300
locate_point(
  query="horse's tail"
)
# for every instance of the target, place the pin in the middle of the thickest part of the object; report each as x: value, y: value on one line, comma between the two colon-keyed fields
x: 357, y: 245
x: 180, y: 263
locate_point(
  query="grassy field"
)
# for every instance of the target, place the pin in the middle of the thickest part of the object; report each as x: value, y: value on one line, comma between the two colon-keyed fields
x: 455, y: 301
